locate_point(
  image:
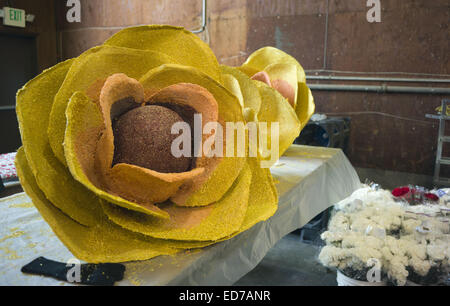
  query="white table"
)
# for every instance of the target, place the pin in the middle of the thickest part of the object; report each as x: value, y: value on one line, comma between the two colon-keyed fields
x: 311, y: 179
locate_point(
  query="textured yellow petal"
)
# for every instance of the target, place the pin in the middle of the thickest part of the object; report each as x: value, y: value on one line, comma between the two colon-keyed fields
x: 218, y: 183
x: 250, y: 93
x: 275, y: 108
x: 229, y: 111
x: 250, y: 115
x: 103, y: 242
x: 284, y: 72
x: 230, y: 83
x: 248, y: 71
x: 305, y: 104
x: 183, y: 46
x: 207, y: 223
x: 93, y: 66
x: 34, y: 102
x: 263, y: 199
x: 84, y: 126
x: 266, y: 56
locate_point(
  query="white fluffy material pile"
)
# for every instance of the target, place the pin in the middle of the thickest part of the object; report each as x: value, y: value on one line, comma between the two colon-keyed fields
x: 370, y: 224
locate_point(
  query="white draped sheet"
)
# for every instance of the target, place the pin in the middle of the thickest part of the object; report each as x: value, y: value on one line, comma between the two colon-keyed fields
x: 309, y: 180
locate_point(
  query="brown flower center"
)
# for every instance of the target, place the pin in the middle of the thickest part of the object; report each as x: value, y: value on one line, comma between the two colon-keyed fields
x: 142, y: 137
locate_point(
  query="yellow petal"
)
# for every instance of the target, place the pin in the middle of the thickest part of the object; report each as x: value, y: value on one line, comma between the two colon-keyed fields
x: 34, y: 102
x: 250, y: 93
x: 263, y: 199
x: 305, y: 104
x: 84, y: 127
x: 229, y: 111
x: 250, y: 115
x: 266, y: 56
x: 275, y: 108
x: 248, y: 71
x: 208, y: 223
x: 285, y: 72
x: 233, y: 86
x: 183, y: 46
x: 104, y: 242
x: 93, y: 66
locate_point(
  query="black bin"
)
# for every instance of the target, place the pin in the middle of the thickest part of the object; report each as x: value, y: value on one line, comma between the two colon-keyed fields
x: 332, y: 132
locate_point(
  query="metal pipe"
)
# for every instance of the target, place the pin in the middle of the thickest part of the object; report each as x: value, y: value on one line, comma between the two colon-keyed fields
x: 204, y: 18
x: 374, y: 79
x: 381, y: 89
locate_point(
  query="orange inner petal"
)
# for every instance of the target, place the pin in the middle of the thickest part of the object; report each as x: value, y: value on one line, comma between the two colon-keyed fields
x: 147, y: 186
x: 285, y: 89
x: 93, y: 92
x: 117, y: 87
x: 200, y: 99
x: 262, y: 76
x: 137, y: 184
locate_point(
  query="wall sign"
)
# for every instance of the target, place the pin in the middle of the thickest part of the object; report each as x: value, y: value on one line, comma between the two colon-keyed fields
x: 14, y: 17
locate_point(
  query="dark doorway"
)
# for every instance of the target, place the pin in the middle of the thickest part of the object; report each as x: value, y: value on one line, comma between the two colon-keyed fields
x: 19, y: 65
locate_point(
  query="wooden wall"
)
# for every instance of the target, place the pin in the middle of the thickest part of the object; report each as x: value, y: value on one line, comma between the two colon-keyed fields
x: 389, y: 131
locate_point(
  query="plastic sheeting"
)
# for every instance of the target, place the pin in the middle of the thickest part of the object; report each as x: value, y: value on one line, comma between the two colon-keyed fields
x: 310, y: 179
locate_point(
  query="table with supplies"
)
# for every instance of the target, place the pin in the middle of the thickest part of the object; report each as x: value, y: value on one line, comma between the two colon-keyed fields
x: 309, y: 180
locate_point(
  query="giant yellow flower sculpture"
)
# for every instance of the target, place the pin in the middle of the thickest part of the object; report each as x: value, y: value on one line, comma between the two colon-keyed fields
x: 96, y: 146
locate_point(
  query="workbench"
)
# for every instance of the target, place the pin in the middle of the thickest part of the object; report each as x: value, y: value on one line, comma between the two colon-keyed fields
x: 309, y: 180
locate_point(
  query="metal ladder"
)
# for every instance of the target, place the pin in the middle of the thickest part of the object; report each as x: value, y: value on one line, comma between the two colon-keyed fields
x: 437, y: 180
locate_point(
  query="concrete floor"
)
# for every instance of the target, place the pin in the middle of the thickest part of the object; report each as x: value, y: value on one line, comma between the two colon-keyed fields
x: 290, y: 263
